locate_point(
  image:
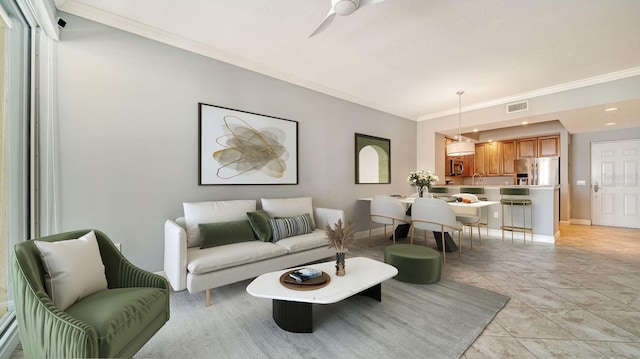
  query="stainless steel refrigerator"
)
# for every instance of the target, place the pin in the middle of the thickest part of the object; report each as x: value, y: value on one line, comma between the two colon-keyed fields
x: 537, y: 171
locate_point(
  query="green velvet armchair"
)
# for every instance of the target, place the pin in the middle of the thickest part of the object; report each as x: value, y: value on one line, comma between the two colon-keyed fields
x: 112, y: 323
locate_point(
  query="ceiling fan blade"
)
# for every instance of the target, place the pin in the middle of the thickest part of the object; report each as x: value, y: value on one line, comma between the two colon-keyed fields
x: 325, y: 23
x: 368, y: 2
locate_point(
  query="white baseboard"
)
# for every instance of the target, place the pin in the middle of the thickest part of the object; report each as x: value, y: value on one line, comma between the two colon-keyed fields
x: 520, y: 236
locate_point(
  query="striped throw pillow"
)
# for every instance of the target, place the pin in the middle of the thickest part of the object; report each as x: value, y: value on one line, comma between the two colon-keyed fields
x: 291, y: 226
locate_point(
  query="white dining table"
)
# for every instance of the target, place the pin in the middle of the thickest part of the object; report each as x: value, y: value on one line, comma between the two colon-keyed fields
x: 455, y: 205
x: 460, y: 208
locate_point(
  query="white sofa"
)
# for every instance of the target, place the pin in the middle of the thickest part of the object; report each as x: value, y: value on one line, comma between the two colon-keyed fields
x: 188, y: 266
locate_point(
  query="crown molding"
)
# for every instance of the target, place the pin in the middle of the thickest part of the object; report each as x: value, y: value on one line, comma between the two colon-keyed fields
x: 618, y: 75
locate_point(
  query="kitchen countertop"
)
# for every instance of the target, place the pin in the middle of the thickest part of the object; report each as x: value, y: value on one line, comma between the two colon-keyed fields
x: 500, y: 186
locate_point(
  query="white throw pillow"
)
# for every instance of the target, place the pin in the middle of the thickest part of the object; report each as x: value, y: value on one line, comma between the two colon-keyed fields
x: 288, y: 207
x: 213, y: 212
x: 73, y: 269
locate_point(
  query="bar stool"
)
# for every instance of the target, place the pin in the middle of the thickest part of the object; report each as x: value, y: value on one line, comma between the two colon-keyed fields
x: 514, y: 196
x: 478, y: 191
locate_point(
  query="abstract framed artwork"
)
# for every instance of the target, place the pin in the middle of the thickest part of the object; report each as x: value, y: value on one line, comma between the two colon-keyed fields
x: 373, y: 159
x: 238, y: 147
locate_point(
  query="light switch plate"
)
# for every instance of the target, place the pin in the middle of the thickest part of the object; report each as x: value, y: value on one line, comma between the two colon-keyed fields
x: 581, y: 183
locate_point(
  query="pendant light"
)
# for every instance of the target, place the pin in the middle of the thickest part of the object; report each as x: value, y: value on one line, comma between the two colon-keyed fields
x: 460, y: 148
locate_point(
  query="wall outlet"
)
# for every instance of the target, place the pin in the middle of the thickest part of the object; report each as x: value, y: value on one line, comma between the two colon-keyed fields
x: 495, y: 214
x: 581, y: 183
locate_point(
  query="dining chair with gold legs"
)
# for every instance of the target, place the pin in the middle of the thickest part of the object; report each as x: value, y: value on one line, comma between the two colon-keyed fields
x: 479, y: 192
x: 431, y: 214
x: 471, y: 217
x: 387, y: 211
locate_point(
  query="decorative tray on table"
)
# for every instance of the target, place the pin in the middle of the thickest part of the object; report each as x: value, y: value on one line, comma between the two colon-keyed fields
x: 309, y: 284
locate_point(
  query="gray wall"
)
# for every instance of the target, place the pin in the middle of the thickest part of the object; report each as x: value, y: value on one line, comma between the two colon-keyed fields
x: 580, y: 166
x: 128, y: 136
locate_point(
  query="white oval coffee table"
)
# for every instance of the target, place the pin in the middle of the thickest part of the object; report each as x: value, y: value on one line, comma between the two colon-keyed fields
x: 292, y: 309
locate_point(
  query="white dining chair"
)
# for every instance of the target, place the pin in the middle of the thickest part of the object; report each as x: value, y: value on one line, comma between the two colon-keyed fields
x: 387, y: 211
x: 470, y: 218
x: 432, y: 214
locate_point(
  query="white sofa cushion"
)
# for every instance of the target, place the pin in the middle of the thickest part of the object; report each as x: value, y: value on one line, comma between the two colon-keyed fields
x: 207, y: 260
x: 213, y: 212
x: 304, y: 242
x: 288, y: 207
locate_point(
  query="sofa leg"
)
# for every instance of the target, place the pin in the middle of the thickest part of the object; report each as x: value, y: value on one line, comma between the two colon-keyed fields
x: 207, y: 296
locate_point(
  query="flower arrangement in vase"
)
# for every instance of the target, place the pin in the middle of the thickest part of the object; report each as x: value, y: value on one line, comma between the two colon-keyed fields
x: 422, y: 179
x: 340, y: 237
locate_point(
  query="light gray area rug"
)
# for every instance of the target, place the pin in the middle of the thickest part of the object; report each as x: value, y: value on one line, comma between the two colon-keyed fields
x: 413, y: 321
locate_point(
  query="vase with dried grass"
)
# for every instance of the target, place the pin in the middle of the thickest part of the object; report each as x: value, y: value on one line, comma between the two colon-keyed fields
x: 340, y: 237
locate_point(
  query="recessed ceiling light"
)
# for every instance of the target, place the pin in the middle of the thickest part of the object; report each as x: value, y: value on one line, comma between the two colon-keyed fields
x: 610, y: 109
x: 610, y: 124
x: 490, y: 140
x: 525, y: 122
x: 475, y: 130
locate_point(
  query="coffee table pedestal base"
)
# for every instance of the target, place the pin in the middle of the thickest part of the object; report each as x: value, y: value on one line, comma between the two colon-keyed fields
x: 297, y: 317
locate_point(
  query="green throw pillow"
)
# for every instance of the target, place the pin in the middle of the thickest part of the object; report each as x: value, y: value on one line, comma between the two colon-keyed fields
x: 259, y: 221
x: 218, y: 234
x: 289, y: 227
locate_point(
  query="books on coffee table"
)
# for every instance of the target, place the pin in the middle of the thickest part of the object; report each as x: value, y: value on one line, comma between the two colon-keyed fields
x: 304, y: 274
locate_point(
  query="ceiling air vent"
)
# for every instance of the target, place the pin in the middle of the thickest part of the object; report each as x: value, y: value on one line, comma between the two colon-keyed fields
x: 518, y: 107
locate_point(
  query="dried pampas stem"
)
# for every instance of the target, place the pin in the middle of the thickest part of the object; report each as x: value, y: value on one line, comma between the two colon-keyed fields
x: 340, y: 237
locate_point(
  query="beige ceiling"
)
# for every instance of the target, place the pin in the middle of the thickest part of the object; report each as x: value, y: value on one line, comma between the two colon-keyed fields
x: 407, y: 57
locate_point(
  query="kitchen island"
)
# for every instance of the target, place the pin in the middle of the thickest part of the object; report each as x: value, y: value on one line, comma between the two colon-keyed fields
x: 546, y: 211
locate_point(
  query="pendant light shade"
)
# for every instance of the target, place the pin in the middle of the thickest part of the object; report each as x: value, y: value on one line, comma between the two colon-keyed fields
x: 460, y: 148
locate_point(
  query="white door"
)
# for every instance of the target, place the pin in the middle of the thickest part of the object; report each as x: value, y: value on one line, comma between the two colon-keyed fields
x: 615, y: 183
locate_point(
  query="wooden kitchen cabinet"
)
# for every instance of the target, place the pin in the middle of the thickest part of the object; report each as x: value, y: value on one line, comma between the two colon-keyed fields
x: 527, y: 147
x: 496, y: 158
x: 548, y: 146
x: 468, y: 164
x: 488, y: 159
x: 509, y: 154
x: 479, y: 159
x: 493, y: 159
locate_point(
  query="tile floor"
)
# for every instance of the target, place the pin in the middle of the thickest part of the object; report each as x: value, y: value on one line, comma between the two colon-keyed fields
x: 579, y: 298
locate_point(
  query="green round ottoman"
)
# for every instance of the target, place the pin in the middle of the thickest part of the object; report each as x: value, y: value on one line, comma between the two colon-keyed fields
x: 415, y: 264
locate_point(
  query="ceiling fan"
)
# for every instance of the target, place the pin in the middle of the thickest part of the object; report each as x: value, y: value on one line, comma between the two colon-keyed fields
x: 342, y: 8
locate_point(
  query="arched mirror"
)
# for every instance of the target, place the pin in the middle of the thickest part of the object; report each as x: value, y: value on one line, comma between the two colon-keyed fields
x: 373, y: 159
